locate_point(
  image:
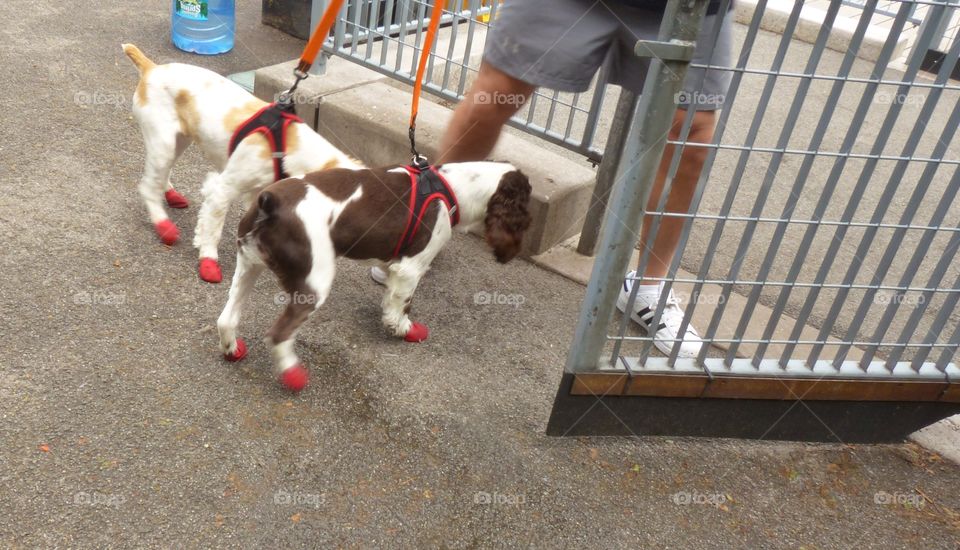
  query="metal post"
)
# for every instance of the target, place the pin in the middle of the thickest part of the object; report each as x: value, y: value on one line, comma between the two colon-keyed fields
x: 645, y: 143
x: 607, y: 173
x: 939, y: 22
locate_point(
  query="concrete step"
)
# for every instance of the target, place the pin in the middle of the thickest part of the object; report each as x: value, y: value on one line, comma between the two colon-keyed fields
x: 811, y: 21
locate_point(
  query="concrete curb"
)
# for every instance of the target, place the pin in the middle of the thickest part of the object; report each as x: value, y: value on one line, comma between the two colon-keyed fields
x: 811, y: 21
x: 367, y: 118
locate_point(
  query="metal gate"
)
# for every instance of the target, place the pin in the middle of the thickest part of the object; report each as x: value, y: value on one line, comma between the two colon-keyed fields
x: 818, y: 254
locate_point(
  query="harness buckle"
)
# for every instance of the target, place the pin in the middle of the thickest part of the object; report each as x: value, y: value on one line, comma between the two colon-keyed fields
x: 419, y: 161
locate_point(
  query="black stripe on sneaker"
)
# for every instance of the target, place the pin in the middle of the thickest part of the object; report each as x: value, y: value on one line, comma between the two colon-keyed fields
x: 646, y: 316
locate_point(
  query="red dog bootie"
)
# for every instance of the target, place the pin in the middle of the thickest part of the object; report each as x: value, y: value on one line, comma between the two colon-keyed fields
x: 175, y: 200
x: 417, y: 333
x: 167, y: 231
x: 240, y: 352
x: 295, y: 378
x: 210, y: 270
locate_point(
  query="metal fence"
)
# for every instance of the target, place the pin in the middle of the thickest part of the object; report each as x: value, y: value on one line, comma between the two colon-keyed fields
x: 387, y: 36
x: 822, y: 236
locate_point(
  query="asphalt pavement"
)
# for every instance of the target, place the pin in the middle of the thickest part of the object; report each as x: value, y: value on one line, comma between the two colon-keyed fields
x: 120, y: 425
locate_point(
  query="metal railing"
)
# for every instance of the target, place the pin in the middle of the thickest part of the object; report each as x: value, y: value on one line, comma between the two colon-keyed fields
x: 387, y: 36
x: 823, y: 231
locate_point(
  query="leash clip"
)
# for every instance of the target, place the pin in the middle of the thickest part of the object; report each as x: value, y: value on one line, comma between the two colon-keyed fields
x: 286, y: 97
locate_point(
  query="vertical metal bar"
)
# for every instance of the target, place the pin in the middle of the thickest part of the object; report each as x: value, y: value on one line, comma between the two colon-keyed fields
x: 574, y: 104
x: 939, y: 24
x: 607, y: 173
x: 339, y: 27
x: 454, y: 26
x: 734, y: 185
x: 355, y: 38
x: 471, y: 28
x: 645, y: 146
x: 418, y: 41
x: 826, y: 120
x: 402, y: 37
x: 773, y: 169
x: 371, y: 25
x: 387, y: 31
x: 553, y: 109
x: 865, y: 175
x: 590, y: 127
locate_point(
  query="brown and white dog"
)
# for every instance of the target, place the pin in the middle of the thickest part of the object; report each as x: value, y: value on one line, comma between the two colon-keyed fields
x: 299, y: 226
x: 178, y: 104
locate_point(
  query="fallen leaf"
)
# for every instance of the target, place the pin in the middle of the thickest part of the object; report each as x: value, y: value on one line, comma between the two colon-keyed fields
x: 295, y: 518
x: 45, y: 448
x: 635, y: 468
x: 427, y: 494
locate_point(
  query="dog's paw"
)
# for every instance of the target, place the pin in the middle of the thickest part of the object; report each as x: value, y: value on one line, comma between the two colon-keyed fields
x: 175, y: 199
x: 417, y: 333
x: 295, y: 378
x: 210, y: 270
x: 238, y: 353
x: 167, y: 231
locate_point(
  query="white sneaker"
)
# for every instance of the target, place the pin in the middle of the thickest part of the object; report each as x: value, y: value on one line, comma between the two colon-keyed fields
x: 378, y: 274
x: 644, y: 309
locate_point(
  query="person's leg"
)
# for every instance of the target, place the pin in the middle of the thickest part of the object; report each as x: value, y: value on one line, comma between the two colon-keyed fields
x: 494, y: 97
x: 681, y: 191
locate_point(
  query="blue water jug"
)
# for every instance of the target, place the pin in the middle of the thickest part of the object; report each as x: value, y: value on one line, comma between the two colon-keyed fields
x: 204, y: 26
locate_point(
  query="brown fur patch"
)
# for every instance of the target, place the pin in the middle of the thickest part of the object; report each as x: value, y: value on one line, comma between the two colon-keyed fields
x: 141, y: 94
x: 293, y: 138
x: 368, y: 228
x: 281, y: 238
x: 238, y: 115
x: 266, y: 153
x: 186, y: 107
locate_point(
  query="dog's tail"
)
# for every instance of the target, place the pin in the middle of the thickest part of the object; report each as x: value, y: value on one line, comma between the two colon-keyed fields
x: 142, y: 62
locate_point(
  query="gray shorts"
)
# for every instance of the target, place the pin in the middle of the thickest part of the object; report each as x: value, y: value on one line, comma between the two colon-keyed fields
x: 560, y: 44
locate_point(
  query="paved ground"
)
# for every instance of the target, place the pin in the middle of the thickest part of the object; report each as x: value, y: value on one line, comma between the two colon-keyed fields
x: 119, y: 425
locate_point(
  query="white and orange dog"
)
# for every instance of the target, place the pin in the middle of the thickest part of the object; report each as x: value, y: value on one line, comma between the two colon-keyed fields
x: 178, y: 104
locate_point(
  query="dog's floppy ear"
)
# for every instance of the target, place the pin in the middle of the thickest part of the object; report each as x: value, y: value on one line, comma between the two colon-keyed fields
x: 507, y: 216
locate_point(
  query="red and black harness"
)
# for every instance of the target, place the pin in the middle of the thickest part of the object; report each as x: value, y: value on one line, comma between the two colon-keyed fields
x: 426, y: 186
x: 272, y: 121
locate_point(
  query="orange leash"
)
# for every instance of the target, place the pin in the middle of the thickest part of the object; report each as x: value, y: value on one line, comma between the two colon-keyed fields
x: 319, y: 35
x: 312, y: 48
x: 435, y: 16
